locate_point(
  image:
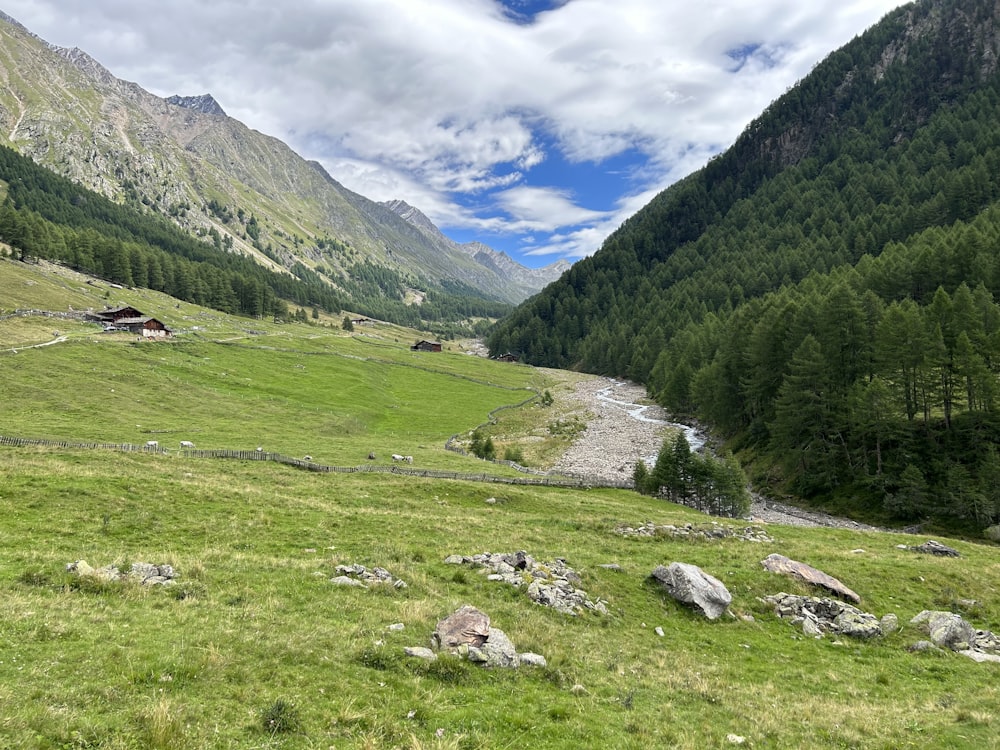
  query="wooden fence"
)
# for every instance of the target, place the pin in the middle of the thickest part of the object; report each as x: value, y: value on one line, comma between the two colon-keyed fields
x: 554, y: 480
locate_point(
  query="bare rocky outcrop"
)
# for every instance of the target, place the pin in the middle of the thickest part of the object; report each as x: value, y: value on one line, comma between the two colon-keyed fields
x: 775, y: 563
x: 691, y: 585
x: 932, y: 547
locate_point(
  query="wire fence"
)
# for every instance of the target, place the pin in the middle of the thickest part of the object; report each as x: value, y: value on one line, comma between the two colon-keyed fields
x: 560, y: 480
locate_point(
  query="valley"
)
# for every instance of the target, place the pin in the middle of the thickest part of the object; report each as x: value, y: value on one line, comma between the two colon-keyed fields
x: 252, y: 646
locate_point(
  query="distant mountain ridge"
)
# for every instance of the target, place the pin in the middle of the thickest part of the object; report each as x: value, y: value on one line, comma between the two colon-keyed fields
x: 184, y: 158
x: 530, y: 279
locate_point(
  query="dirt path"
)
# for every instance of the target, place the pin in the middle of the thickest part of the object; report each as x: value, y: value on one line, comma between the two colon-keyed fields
x: 624, y: 426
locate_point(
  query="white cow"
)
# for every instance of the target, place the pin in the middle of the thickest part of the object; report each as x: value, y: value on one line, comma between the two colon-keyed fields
x: 397, y: 457
x: 152, y: 444
x: 187, y: 444
x: 408, y: 459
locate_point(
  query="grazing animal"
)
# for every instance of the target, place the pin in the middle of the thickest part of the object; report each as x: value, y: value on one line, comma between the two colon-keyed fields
x: 187, y: 444
x: 408, y: 459
x: 371, y: 455
x: 260, y: 449
x: 307, y: 458
x: 396, y: 457
x: 152, y: 444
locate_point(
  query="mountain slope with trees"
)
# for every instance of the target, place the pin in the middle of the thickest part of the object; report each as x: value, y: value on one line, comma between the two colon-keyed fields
x: 824, y: 291
x: 182, y: 159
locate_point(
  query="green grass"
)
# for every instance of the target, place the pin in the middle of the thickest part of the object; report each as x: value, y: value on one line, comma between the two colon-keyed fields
x: 255, y: 648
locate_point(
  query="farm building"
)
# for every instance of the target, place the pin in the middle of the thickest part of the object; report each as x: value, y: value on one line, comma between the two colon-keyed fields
x: 114, y: 315
x: 149, y: 328
x: 508, y: 357
x: 427, y: 346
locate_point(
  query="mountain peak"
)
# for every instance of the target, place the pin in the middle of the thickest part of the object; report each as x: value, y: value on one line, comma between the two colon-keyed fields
x: 413, y: 215
x: 205, y: 103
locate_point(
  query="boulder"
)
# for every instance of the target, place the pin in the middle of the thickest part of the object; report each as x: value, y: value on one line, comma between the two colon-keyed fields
x: 776, y: 563
x: 528, y: 659
x: 497, y: 651
x: 946, y: 629
x: 691, y: 585
x: 467, y: 625
x: 420, y: 652
x: 930, y: 547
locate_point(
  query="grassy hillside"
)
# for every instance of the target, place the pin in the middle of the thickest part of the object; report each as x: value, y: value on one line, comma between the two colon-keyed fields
x: 254, y: 638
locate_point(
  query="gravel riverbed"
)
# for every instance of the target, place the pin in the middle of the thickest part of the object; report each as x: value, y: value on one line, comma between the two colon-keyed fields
x: 624, y: 426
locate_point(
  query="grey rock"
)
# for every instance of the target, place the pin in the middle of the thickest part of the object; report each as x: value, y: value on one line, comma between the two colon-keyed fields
x: 420, y: 652
x: 889, y: 623
x: 528, y: 659
x: 454, y: 560
x: 980, y: 656
x: 946, y: 629
x: 498, y: 650
x: 691, y: 585
x: 857, y: 624
x: 347, y: 581
x: 775, y: 563
x: 931, y: 547
x: 467, y: 625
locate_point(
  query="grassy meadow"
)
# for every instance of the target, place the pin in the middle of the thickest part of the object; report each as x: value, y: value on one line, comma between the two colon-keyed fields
x: 255, y: 648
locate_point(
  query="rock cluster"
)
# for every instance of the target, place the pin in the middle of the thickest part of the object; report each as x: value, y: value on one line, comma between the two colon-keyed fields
x: 551, y: 584
x: 359, y: 575
x: 691, y: 585
x: 931, y: 547
x: 819, y: 616
x: 468, y: 634
x: 145, y: 574
x: 951, y: 631
x: 713, y: 530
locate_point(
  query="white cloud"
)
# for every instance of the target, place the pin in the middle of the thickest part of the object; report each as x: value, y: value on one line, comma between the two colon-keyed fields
x: 446, y: 99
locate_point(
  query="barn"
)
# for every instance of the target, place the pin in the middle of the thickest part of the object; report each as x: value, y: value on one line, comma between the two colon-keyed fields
x: 427, y: 346
x: 114, y: 315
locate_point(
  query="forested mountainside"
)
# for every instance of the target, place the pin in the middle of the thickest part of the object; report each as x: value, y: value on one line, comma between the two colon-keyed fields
x: 186, y: 161
x: 824, y: 292
x: 46, y: 216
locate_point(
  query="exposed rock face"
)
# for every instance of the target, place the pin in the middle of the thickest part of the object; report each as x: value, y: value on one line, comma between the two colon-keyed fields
x: 551, y: 584
x: 819, y: 616
x: 205, y: 104
x: 691, y: 585
x: 775, y: 563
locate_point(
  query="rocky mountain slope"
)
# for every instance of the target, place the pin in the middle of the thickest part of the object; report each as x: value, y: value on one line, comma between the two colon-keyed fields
x: 185, y: 158
x: 527, y: 280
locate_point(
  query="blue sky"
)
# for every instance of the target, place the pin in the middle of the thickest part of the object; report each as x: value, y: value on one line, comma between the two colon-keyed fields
x: 535, y: 126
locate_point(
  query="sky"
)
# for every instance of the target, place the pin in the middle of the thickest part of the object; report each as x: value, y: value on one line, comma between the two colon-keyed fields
x: 534, y: 126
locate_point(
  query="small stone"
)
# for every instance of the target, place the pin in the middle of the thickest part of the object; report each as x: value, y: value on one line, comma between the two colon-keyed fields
x: 420, y: 652
x: 346, y: 581
x: 659, y: 631
x: 528, y: 659
x: 735, y: 739
x: 454, y: 560
x: 889, y: 623
x: 397, y: 626
x: 979, y: 656
x: 611, y: 566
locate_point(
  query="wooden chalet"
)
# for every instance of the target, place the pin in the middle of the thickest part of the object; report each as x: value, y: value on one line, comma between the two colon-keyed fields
x: 114, y: 315
x: 426, y: 346
x: 508, y: 357
x: 149, y: 328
